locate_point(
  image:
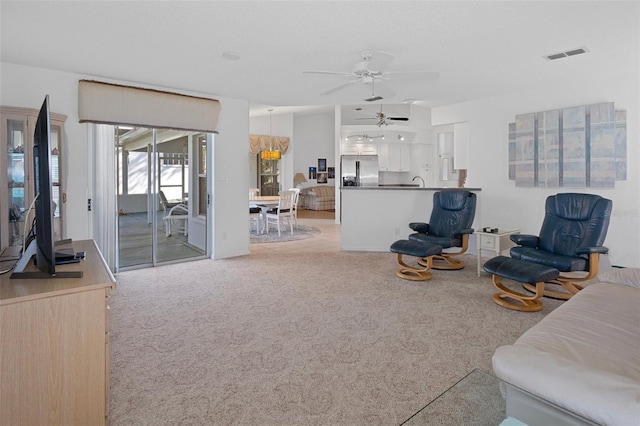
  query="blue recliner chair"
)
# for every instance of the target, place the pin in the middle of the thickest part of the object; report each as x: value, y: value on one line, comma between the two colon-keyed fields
x: 449, y: 226
x: 570, y: 240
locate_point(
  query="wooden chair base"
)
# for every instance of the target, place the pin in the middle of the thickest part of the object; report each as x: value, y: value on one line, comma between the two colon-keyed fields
x: 507, y: 297
x: 572, y: 288
x: 414, y: 274
x: 451, y: 263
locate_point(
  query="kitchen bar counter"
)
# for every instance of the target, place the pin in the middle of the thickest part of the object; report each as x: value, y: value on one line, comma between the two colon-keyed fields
x: 373, y: 217
x: 403, y: 187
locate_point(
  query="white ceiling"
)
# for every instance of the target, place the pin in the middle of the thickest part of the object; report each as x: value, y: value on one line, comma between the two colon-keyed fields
x: 480, y: 48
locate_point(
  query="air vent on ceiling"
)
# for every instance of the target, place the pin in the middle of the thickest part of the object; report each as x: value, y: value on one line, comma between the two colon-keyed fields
x: 566, y: 54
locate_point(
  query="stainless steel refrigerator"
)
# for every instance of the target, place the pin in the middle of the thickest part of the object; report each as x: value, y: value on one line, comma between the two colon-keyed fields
x: 359, y: 170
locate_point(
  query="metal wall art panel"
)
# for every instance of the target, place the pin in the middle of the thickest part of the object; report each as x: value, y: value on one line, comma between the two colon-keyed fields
x: 576, y: 147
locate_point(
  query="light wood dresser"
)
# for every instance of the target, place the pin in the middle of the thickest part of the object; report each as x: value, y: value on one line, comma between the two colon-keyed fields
x: 54, y: 345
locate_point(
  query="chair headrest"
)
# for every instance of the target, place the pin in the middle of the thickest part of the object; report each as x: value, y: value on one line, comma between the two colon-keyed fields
x: 453, y: 199
x: 573, y: 206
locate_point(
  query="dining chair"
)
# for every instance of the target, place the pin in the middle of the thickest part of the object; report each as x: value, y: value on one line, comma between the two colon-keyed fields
x: 253, y: 193
x: 255, y: 215
x: 284, y: 211
x: 295, y: 205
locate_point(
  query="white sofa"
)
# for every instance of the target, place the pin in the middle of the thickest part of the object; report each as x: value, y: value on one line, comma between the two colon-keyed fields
x: 321, y: 197
x: 583, y: 358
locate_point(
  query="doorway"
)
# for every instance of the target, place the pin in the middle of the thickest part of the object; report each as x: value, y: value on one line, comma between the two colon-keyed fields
x: 162, y: 196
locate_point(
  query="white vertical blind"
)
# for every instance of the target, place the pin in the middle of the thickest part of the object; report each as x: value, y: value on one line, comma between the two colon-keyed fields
x: 103, y: 203
x: 107, y: 103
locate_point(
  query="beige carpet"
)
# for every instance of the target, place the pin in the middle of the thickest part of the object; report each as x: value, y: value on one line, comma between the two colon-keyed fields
x: 328, y: 338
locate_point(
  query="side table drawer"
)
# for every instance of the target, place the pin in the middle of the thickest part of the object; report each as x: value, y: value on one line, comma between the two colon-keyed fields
x: 488, y: 242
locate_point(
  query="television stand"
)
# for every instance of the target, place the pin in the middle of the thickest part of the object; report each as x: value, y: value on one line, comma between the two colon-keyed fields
x: 56, y: 329
x: 37, y: 275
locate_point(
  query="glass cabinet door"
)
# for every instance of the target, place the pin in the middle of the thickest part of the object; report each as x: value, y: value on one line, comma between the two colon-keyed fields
x: 57, y: 196
x: 16, y: 167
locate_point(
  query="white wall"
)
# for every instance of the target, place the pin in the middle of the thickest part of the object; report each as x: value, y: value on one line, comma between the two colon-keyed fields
x: 314, y: 138
x: 23, y: 86
x: 506, y: 206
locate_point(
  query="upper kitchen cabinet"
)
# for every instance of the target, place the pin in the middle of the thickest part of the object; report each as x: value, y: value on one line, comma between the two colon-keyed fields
x: 359, y: 149
x: 17, y: 126
x: 393, y: 157
x: 423, y: 163
x: 461, y: 146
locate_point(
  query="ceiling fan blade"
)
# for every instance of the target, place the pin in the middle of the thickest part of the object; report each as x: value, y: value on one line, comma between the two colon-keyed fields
x: 379, y: 61
x: 329, y: 73
x: 398, y: 118
x: 373, y: 98
x: 340, y: 87
x: 416, y: 75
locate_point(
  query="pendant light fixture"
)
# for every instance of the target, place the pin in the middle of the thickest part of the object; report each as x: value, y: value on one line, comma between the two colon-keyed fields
x: 271, y: 154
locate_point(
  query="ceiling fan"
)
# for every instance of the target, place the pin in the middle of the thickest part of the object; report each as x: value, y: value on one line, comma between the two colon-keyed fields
x: 371, y: 70
x: 382, y: 118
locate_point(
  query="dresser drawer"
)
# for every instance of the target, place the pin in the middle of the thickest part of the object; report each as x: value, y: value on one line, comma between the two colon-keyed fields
x: 487, y: 241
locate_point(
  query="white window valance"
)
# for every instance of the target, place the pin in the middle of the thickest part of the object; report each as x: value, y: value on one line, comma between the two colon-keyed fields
x: 259, y: 143
x: 107, y: 103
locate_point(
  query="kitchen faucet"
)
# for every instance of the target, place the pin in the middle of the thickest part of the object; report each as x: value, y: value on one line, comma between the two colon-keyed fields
x: 419, y: 177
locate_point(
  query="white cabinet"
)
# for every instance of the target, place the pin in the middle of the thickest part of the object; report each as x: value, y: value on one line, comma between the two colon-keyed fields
x: 461, y: 145
x: 404, y: 162
x: 394, y: 157
x: 383, y: 157
x: 17, y: 126
x: 422, y: 162
x: 359, y: 149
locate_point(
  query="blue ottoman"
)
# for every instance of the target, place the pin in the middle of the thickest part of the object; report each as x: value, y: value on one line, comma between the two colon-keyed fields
x: 418, y: 249
x: 521, y: 271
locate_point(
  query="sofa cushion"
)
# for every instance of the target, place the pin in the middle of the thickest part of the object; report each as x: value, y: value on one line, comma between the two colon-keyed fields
x: 584, y: 356
x: 626, y: 276
x: 322, y: 191
x: 321, y: 197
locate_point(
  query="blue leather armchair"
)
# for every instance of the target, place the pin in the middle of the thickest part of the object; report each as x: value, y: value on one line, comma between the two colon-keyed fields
x: 573, y: 231
x: 449, y: 226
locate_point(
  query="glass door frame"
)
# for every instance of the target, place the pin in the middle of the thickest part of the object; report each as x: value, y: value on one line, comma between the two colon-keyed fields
x: 197, y: 220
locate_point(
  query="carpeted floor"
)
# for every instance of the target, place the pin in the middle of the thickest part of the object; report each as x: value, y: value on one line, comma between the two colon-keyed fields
x: 327, y: 338
x: 300, y: 232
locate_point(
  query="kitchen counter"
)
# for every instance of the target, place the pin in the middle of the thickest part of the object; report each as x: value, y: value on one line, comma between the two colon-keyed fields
x: 404, y: 187
x: 373, y: 217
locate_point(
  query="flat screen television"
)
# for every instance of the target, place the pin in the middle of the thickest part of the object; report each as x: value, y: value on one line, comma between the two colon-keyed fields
x: 41, y: 245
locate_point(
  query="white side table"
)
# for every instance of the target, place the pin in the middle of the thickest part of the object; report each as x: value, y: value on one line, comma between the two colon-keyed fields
x: 496, y: 242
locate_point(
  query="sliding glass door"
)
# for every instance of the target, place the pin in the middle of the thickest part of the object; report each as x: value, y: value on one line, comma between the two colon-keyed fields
x: 160, y: 216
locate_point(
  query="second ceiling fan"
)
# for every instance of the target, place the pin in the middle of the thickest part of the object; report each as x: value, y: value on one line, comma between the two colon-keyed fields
x: 382, y: 118
x: 371, y: 70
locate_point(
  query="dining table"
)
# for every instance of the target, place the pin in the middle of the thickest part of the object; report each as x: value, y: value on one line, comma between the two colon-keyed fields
x: 264, y: 202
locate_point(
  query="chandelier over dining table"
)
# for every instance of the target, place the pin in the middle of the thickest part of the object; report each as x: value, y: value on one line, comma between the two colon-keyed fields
x: 271, y: 154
